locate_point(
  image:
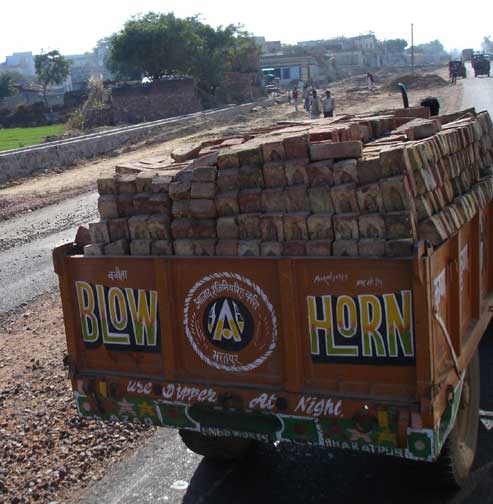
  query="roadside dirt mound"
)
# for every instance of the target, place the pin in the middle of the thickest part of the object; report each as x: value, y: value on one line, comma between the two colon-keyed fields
x: 417, y: 82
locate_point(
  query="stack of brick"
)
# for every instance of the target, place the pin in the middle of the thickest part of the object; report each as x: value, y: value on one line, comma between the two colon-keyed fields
x: 304, y: 190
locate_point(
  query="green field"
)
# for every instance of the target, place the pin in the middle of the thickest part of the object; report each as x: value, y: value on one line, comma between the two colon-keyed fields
x: 13, y: 138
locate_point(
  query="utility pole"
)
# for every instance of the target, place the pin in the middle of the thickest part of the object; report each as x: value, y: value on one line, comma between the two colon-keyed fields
x: 412, y: 48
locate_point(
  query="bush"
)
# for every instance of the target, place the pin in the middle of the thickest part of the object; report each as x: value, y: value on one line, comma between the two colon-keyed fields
x: 75, y: 121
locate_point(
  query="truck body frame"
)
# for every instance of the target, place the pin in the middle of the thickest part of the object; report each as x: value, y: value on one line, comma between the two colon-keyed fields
x: 363, y: 354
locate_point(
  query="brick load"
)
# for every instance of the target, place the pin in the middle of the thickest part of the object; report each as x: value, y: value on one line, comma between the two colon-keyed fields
x: 368, y: 186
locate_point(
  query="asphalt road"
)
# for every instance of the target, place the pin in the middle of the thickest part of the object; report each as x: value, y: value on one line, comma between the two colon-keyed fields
x: 164, y: 470
x: 26, y: 242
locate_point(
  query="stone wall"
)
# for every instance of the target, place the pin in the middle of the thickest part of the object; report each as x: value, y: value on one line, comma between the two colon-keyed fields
x: 134, y: 104
x: 18, y: 163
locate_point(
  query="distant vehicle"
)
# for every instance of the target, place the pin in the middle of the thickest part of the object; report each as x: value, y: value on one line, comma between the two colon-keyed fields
x: 481, y: 64
x: 459, y: 67
x: 467, y: 54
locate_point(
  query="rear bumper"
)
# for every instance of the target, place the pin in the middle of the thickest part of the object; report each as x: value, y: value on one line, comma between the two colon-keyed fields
x: 365, y: 426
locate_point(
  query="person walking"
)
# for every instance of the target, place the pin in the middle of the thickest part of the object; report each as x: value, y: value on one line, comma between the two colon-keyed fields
x: 370, y: 81
x: 295, y: 95
x: 306, y: 95
x: 328, y: 105
x: 453, y: 74
x: 315, y: 106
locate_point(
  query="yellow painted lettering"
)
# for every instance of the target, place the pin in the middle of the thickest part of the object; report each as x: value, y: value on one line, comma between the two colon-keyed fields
x: 144, y: 316
x: 399, y: 324
x: 118, y: 309
x: 109, y: 338
x: 87, y: 305
x: 371, y: 320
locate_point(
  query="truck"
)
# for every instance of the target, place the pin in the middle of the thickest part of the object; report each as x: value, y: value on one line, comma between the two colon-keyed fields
x: 371, y: 355
x: 481, y: 64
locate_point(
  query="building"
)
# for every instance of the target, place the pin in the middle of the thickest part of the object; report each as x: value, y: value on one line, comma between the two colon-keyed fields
x: 22, y: 63
x: 290, y: 69
x: 269, y: 46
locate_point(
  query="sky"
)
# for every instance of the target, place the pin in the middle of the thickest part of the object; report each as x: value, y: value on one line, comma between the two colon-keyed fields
x: 75, y: 27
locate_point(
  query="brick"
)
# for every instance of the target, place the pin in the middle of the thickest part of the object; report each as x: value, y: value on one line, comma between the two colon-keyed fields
x: 125, y: 184
x: 295, y: 171
x: 274, y: 174
x: 118, y: 229
x: 400, y: 225
x: 99, y: 232
x: 372, y: 226
x: 183, y: 247
x: 138, y: 229
x: 273, y: 151
x: 107, y: 184
x: 453, y: 217
x: 423, y: 207
x: 228, y: 180
x: 295, y: 226
x: 161, y: 184
x: 117, y: 248
x: 158, y: 227
x: 108, y: 207
x: 271, y: 249
x: 320, y: 173
x: 204, y: 174
x: 346, y: 226
x: 125, y: 204
x: 249, y: 248
x: 180, y: 209
x: 296, y: 146
x: 250, y: 154
x: 186, y: 152
x: 345, y: 248
x: 392, y: 161
x: 227, y: 204
x: 140, y: 247
x: 251, y: 177
x: 396, y: 194
x: 371, y: 248
x: 424, y: 181
x: 203, y: 209
x: 94, y: 249
x: 294, y: 249
x: 370, y: 199
x: 249, y: 200
x: 320, y: 199
x: 228, y: 228
x: 433, y: 230
x: 272, y: 227
x: 181, y: 229
x: 369, y: 170
x: 143, y: 182
x: 228, y: 159
x: 339, y: 150
x: 296, y: 199
x: 227, y: 248
x: 249, y: 226
x: 162, y: 247
x: 344, y: 198
x: 320, y: 227
x: 180, y: 190
x: 203, y: 190
x: 159, y: 203
x: 272, y: 200
x: 319, y: 248
x: 399, y: 248
x: 141, y: 203
x: 346, y: 172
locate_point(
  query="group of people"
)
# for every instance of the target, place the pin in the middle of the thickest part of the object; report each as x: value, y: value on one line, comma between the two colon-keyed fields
x: 312, y: 103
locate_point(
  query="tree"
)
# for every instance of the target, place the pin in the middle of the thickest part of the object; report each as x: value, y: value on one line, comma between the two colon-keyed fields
x: 433, y: 47
x: 52, y: 69
x: 395, y: 45
x: 161, y: 45
x: 7, y: 81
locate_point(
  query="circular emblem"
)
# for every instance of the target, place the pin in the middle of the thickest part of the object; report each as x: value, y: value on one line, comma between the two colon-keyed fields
x: 230, y: 322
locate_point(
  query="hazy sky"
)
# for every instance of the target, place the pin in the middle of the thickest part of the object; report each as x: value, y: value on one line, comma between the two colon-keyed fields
x: 74, y: 27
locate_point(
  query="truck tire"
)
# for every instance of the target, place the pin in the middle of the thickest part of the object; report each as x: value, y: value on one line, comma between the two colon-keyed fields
x: 218, y: 449
x: 455, y: 462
